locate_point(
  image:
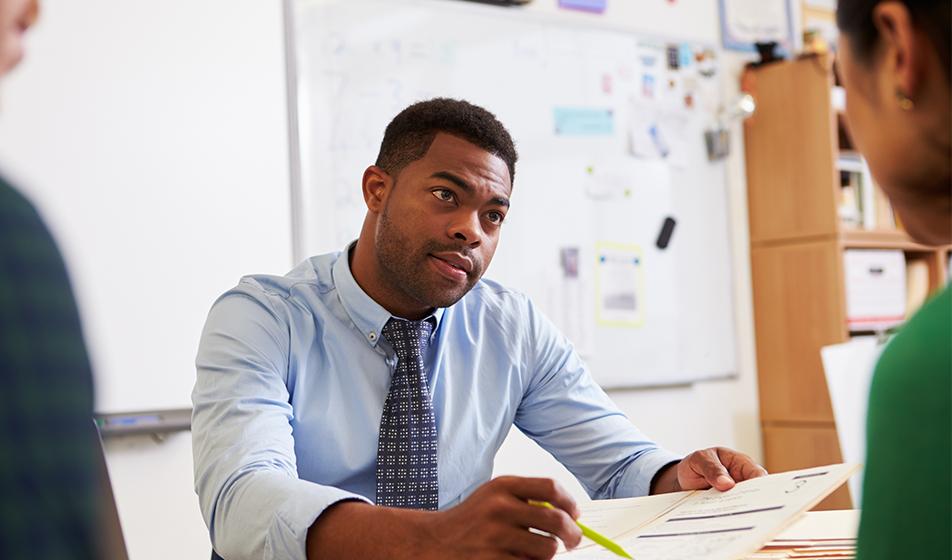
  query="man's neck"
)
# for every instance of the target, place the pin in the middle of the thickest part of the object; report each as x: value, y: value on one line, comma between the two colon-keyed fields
x: 360, y: 258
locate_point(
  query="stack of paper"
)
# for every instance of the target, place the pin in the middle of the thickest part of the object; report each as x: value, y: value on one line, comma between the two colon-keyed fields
x: 818, y: 535
x: 708, y: 524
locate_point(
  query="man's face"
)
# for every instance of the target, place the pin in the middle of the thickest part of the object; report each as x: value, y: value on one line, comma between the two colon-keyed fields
x: 440, y: 222
x: 16, y: 16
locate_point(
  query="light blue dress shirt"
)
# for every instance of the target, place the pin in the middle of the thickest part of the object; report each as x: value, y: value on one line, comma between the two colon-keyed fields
x: 292, y: 377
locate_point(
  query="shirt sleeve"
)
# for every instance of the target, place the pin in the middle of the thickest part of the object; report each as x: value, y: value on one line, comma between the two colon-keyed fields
x: 572, y: 418
x: 246, y: 478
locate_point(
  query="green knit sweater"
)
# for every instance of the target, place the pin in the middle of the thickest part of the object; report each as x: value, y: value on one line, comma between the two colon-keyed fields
x: 907, y: 489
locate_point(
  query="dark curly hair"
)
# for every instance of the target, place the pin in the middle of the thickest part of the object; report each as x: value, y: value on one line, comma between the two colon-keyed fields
x: 855, y: 19
x: 410, y: 133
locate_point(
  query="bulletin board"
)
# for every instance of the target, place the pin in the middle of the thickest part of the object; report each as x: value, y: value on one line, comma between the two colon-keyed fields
x: 609, y: 126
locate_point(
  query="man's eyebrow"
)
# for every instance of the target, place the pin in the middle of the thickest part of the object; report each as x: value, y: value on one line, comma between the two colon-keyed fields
x: 459, y: 182
x: 500, y: 201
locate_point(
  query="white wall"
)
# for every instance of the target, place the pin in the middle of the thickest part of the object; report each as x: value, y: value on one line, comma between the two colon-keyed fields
x: 153, y: 480
x: 153, y: 136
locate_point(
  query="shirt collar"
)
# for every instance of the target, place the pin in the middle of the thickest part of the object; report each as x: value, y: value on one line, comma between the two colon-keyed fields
x: 367, y: 315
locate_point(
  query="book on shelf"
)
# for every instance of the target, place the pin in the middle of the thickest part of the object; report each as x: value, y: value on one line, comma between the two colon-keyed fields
x: 917, y: 285
x: 862, y: 204
x: 838, y: 99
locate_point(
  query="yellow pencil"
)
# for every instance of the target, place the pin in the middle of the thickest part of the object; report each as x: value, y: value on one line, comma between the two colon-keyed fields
x: 591, y: 534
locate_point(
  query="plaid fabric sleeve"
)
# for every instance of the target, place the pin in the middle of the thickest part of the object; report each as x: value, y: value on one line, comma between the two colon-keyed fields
x: 47, y: 473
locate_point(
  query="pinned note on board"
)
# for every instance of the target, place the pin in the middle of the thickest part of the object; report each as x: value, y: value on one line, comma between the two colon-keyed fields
x: 584, y: 121
x: 619, y: 286
x: 503, y: 2
x: 594, y: 6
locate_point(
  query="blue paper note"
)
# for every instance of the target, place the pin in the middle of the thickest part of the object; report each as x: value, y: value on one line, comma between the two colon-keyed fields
x: 596, y: 6
x: 685, y: 55
x: 581, y: 121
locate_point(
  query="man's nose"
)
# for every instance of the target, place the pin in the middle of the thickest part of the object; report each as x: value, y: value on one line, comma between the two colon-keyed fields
x: 465, y: 227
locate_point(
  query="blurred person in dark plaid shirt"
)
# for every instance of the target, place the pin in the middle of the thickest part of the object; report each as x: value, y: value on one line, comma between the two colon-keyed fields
x: 48, y: 458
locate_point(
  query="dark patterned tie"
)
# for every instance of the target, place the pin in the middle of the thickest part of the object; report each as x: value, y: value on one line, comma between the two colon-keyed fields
x: 407, y: 447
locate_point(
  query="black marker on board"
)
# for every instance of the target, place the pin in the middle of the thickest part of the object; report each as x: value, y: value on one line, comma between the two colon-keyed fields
x: 667, y: 228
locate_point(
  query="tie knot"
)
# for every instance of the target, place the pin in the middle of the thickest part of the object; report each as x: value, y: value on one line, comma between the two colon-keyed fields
x: 401, y: 333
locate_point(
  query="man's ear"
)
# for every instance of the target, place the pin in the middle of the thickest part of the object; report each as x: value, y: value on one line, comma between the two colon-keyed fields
x: 901, y: 47
x: 376, y: 187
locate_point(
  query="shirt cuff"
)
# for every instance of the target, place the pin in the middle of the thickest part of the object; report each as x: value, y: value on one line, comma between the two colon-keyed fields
x: 642, y: 471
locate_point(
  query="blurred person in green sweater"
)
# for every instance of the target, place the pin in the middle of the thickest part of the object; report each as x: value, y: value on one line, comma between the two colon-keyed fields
x: 49, y: 463
x: 894, y: 61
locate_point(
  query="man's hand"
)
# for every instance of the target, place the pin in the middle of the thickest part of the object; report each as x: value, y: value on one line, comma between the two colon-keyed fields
x: 717, y: 467
x: 492, y: 523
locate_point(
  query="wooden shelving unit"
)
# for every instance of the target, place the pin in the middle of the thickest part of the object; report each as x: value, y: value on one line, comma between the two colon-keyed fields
x: 797, y: 243
x: 882, y: 239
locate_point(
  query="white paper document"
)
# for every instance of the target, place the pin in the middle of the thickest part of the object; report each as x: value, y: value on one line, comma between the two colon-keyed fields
x: 828, y: 535
x: 836, y: 525
x: 616, y: 518
x: 849, y: 374
x: 710, y: 524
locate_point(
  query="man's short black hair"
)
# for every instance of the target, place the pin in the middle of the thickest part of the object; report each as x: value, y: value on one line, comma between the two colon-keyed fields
x: 410, y: 133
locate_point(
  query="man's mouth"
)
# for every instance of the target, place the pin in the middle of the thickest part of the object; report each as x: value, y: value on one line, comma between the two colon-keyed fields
x: 455, y: 260
x: 452, y: 266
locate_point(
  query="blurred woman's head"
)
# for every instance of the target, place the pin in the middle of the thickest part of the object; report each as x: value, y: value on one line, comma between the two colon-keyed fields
x: 16, y: 16
x: 894, y: 61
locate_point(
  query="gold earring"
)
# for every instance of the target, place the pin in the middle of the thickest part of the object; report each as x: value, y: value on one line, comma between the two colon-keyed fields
x: 905, y: 103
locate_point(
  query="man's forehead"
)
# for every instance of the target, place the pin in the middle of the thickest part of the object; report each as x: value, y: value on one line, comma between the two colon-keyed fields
x: 449, y: 153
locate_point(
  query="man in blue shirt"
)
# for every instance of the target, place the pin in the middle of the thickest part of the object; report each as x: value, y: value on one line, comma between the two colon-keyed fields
x: 335, y: 405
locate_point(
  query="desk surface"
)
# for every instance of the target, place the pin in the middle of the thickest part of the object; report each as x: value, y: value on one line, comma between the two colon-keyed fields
x: 836, y: 524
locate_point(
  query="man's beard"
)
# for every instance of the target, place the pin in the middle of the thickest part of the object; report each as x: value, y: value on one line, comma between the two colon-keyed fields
x: 407, y: 270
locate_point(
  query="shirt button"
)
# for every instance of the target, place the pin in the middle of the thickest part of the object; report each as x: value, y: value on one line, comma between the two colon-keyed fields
x: 372, y: 336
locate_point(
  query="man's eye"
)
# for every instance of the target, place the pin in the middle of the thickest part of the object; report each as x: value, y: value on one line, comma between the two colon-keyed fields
x: 495, y: 217
x: 445, y: 195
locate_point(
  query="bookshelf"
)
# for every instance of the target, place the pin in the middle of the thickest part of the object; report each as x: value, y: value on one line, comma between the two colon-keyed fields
x: 795, y: 143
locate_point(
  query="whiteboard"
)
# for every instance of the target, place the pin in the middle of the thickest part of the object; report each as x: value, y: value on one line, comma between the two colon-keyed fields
x: 610, y: 137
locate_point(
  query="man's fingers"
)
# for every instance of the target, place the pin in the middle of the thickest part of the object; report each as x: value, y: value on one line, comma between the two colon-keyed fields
x: 747, y: 469
x: 541, y: 490
x: 557, y: 520
x: 524, y: 544
x: 740, y: 465
x: 708, y: 464
x: 553, y: 521
x: 719, y: 467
